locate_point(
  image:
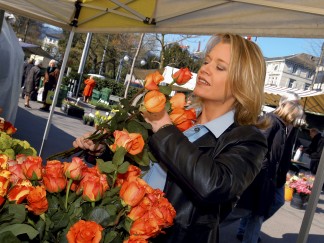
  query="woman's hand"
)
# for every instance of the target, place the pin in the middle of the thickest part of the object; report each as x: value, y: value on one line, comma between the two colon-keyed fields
x: 157, y: 119
x: 89, y: 145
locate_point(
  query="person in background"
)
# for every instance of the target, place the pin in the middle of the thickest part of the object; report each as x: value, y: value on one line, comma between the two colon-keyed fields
x: 87, y: 92
x: 27, y: 66
x: 266, y: 193
x: 32, y: 81
x: 314, y: 149
x: 213, y: 162
x: 51, y: 77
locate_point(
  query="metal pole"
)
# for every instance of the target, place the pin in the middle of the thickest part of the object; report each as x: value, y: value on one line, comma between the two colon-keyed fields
x: 133, y: 64
x: 83, y: 60
x: 57, y: 89
x: 312, y: 203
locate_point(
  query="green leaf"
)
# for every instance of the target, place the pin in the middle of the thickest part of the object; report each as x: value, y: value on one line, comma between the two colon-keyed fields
x: 167, y: 106
x: 110, y: 236
x: 18, y: 211
x: 40, y: 226
x: 151, y: 157
x: 119, y: 156
x: 123, y: 168
x: 60, y: 220
x: 106, y: 167
x: 165, y: 89
x: 19, y: 229
x: 128, y: 224
x: 101, y: 216
x: 135, y: 126
x: 8, y: 237
x: 142, y: 158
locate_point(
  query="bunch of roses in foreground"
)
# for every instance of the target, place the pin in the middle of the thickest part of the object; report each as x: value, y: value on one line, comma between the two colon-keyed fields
x: 108, y: 202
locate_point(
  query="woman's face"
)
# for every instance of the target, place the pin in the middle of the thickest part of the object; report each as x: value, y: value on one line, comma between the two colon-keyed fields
x: 212, y: 76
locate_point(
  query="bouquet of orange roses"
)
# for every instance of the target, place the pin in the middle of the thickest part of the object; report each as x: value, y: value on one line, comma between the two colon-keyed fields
x: 72, y: 202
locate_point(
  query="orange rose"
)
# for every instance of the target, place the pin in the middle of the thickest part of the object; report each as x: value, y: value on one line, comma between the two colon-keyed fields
x: 37, y: 201
x: 85, y: 232
x: 152, y: 81
x: 132, y: 173
x: 178, y: 101
x: 132, y: 142
x: 53, y: 178
x: 137, y: 212
x: 182, y: 118
x: 182, y: 76
x: 92, y: 188
x: 135, y: 239
x: 163, y: 213
x: 16, y: 173
x: 32, y: 168
x: 145, y: 227
x: 154, y: 101
x: 90, y: 173
x: 74, y: 169
x: 4, y: 161
x: 20, y: 191
x: 9, y: 128
x: 132, y: 192
x: 4, y: 182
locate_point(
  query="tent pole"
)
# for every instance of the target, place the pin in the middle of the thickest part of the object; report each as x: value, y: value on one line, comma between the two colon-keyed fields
x: 57, y: 90
x: 83, y: 60
x: 312, y: 203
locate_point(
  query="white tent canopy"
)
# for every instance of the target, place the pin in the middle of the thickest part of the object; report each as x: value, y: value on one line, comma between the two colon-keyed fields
x: 280, y: 18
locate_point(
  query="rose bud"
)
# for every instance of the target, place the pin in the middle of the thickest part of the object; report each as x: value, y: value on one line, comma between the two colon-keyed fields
x: 16, y: 173
x: 53, y: 178
x: 182, y: 76
x: 37, y: 201
x: 4, y: 161
x: 132, y: 173
x: 152, y: 81
x: 74, y: 169
x: 19, y: 193
x: 154, y: 101
x: 9, y: 128
x: 4, y: 182
x: 92, y: 188
x: 178, y: 101
x: 85, y: 231
x: 133, y: 192
x: 32, y: 168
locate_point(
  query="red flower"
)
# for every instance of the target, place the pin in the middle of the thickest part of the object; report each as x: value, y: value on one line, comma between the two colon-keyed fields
x: 37, y: 201
x: 53, y: 178
x: 32, y: 168
x: 182, y: 76
x: 85, y: 232
x: 74, y: 169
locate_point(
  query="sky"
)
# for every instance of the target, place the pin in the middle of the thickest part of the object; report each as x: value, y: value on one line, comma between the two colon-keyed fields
x: 271, y: 47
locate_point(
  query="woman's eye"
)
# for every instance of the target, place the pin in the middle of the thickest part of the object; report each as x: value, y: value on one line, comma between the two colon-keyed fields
x: 205, y: 62
x: 220, y: 68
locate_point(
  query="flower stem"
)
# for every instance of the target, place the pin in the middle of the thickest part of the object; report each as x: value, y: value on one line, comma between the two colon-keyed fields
x: 67, y: 192
x: 93, y: 204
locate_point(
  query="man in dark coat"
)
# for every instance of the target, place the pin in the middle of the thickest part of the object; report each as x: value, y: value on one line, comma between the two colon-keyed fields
x: 32, y: 82
x: 315, y: 149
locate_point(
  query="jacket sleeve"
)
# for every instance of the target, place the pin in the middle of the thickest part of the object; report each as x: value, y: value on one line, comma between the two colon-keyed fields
x: 210, y: 178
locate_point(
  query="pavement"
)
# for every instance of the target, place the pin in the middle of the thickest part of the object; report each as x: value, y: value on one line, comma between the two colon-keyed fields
x: 283, y: 227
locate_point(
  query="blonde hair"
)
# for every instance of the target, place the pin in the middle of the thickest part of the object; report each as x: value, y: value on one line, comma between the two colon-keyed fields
x: 291, y: 113
x: 246, y: 77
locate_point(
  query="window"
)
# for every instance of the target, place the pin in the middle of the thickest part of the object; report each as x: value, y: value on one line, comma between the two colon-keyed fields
x: 291, y: 83
x: 295, y: 69
x: 307, y: 86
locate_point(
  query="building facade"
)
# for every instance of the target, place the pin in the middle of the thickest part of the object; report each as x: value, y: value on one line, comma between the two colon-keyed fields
x: 294, y: 71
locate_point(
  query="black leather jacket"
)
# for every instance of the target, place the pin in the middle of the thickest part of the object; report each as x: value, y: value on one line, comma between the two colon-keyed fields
x: 203, y: 175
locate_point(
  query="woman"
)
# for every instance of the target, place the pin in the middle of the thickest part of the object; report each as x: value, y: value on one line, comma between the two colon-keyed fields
x: 51, y: 77
x: 265, y: 194
x: 87, y: 92
x: 213, y: 162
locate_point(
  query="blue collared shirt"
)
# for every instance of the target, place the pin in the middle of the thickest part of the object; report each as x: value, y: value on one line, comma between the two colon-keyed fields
x: 156, y: 176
